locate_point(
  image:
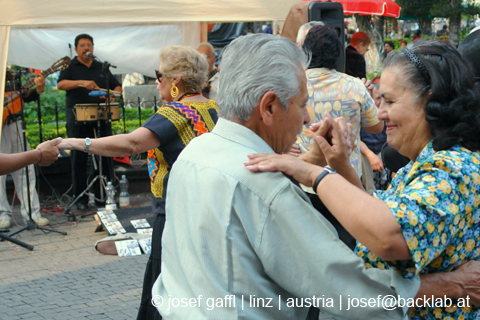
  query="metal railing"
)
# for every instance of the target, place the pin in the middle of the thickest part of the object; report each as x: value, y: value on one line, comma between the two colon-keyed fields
x: 43, y: 116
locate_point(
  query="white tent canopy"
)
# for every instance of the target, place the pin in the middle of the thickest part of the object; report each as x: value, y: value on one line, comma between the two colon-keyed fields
x: 131, y: 48
x: 127, y: 33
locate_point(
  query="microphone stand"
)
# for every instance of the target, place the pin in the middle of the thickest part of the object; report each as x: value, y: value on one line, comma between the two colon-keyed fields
x: 108, y: 129
x: 31, y: 225
x: 11, y: 86
x: 106, y: 71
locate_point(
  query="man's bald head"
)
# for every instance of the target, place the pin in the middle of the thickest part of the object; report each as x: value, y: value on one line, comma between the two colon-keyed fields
x: 208, y: 50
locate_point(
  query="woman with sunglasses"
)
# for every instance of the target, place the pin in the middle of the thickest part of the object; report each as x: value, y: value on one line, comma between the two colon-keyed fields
x: 181, y: 76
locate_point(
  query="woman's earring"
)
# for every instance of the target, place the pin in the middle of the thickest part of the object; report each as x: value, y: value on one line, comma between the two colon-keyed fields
x: 174, y: 91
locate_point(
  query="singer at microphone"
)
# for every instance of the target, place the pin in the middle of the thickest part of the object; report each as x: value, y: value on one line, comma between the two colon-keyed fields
x: 78, y: 80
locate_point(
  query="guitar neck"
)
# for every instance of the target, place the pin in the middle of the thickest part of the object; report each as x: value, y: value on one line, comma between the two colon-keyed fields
x: 26, y: 86
x: 30, y: 83
x: 212, y: 74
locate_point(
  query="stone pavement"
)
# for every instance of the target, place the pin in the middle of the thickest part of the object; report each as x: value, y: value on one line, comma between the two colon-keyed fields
x: 64, y: 277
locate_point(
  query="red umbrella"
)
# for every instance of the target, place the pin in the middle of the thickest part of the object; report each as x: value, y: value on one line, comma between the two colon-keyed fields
x: 386, y: 8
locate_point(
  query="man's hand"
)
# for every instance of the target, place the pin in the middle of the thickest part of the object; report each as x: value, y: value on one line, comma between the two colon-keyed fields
x: 375, y: 162
x: 49, y: 151
x: 335, y: 146
x: 89, y: 85
x: 295, y: 151
x: 325, y: 129
x: 471, y: 281
x: 369, y: 86
x: 39, y: 83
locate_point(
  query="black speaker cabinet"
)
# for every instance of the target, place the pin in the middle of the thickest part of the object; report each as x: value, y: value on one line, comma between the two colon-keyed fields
x: 330, y: 13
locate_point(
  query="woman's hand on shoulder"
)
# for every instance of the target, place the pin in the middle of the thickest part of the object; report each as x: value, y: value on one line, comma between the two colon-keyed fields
x: 304, y: 172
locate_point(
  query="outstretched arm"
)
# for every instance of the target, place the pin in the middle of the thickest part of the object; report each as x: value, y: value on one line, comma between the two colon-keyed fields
x: 121, y: 145
x: 44, y: 155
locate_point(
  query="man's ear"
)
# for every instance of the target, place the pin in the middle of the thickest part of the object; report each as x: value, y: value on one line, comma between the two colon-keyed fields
x: 269, y: 107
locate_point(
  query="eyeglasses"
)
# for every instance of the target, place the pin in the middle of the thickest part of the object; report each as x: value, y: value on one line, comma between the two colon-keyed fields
x: 158, y: 75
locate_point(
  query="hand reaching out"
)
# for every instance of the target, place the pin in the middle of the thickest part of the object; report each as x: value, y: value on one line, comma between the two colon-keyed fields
x: 49, y: 151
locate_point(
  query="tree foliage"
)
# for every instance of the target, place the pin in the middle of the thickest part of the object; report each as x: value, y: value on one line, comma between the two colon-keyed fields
x: 416, y: 9
x: 428, y: 9
x: 452, y: 8
x: 425, y: 10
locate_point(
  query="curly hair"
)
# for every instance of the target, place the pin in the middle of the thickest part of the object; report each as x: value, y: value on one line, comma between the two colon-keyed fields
x: 324, y: 46
x: 187, y: 63
x: 452, y: 102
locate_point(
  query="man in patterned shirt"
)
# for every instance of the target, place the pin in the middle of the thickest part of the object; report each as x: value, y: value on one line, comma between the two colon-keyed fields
x: 336, y: 93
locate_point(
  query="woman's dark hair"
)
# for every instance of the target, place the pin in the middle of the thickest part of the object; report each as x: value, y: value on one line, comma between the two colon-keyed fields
x: 452, y: 108
x: 323, y: 45
x: 469, y: 49
x: 390, y: 43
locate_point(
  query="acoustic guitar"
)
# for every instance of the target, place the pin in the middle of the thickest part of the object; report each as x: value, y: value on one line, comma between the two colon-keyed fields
x: 206, y: 90
x: 12, y: 103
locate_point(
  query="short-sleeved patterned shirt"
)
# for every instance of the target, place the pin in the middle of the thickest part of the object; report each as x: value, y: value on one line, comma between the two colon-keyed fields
x: 436, y: 201
x: 342, y: 96
x: 176, y: 124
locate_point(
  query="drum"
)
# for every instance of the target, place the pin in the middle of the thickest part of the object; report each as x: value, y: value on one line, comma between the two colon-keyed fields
x: 113, y: 110
x: 86, y: 112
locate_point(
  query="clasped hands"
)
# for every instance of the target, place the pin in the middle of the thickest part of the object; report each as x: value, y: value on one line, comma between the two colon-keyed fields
x: 334, y: 141
x: 49, y: 151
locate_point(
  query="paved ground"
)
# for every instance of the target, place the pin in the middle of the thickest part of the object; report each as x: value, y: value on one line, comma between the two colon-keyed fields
x: 64, y: 277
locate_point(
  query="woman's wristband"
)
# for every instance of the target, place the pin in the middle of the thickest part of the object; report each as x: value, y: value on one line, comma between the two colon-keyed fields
x: 322, y: 175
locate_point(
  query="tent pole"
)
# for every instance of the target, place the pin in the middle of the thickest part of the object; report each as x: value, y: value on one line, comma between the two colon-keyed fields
x: 203, y: 32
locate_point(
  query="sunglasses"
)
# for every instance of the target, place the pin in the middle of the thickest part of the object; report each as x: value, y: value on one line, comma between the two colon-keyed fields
x: 158, y: 75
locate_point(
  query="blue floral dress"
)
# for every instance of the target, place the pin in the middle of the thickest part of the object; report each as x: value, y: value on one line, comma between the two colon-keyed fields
x: 436, y: 202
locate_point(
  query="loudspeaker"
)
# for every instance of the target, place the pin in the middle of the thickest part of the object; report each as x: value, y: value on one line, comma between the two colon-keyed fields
x: 331, y: 13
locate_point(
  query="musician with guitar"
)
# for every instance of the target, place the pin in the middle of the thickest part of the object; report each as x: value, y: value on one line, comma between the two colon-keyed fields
x: 12, y: 142
x: 210, y: 91
x: 83, y: 75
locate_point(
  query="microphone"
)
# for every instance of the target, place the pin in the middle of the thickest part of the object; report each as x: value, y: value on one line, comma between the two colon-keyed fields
x: 90, y: 55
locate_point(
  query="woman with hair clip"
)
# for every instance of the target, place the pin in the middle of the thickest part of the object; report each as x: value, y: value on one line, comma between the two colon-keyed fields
x: 181, y: 76
x: 427, y: 222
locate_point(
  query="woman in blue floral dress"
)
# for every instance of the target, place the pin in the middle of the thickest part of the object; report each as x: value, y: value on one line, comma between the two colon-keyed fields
x: 428, y: 221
